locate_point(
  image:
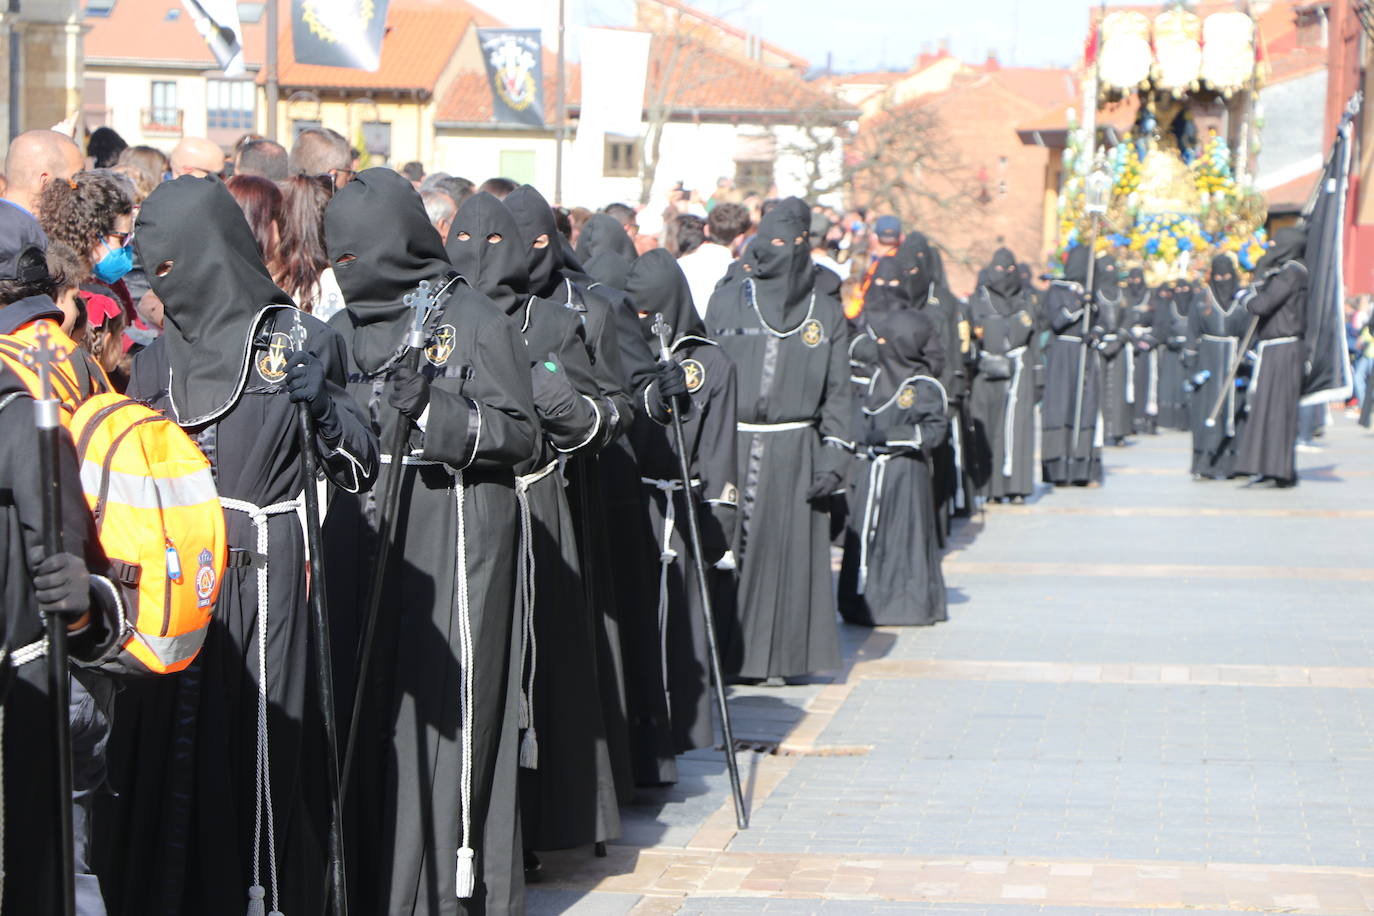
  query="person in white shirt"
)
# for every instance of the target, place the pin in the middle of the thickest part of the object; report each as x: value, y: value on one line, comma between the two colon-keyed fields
x: 706, y: 249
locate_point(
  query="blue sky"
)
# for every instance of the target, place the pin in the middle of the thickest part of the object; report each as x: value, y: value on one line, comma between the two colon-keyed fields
x: 868, y: 35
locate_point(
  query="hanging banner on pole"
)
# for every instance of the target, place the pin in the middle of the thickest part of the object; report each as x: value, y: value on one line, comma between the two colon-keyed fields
x: 338, y: 33
x: 217, y: 21
x: 514, y: 59
x: 614, y: 65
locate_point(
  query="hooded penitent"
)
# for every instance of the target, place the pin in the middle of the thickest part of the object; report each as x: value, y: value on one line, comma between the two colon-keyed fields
x: 381, y: 245
x: 536, y: 222
x: 486, y: 247
x: 887, y: 291
x: 1222, y: 279
x: 1076, y: 267
x: 1289, y: 245
x: 1003, y: 282
x: 657, y: 286
x: 914, y: 256
x: 1106, y: 279
x: 602, y: 233
x: 779, y: 262
x: 901, y: 348
x: 1135, y: 289
x: 610, y: 268
x: 213, y: 288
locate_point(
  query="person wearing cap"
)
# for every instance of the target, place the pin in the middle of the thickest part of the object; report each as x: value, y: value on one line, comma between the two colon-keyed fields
x: 887, y: 238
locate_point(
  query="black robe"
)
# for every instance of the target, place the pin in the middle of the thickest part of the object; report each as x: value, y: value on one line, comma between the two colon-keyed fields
x: 189, y: 849
x: 1063, y: 460
x: 1144, y: 386
x: 794, y: 409
x: 709, y: 433
x: 1004, y: 408
x: 1111, y: 340
x: 891, y: 573
x: 426, y: 781
x: 1171, y: 329
x: 1268, y: 442
x: 1215, y: 329
x: 567, y: 790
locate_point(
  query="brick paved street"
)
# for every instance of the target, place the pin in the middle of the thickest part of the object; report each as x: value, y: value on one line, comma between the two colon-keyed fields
x: 1180, y: 719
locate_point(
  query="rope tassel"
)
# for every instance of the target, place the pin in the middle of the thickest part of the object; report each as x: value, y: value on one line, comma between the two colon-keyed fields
x: 529, y: 749
x: 256, y: 907
x: 466, y: 879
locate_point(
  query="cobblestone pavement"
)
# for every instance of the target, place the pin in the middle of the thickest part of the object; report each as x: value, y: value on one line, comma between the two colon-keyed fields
x: 1153, y: 697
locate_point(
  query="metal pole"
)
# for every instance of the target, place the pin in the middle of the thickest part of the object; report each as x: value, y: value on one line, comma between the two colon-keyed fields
x: 324, y: 664
x: 1230, y: 380
x: 699, y: 562
x: 16, y: 74
x: 273, y: 91
x: 561, y: 112
x: 1091, y: 297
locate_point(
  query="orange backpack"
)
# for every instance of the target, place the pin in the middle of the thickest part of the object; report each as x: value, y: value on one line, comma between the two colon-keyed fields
x: 158, y: 516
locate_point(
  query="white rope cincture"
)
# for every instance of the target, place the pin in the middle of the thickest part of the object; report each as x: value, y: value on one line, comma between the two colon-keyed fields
x: 465, y: 874
x: 525, y: 576
x: 1130, y: 373
x: 877, y: 475
x: 262, y: 802
x: 1009, y: 410
x: 667, y: 554
x: 1152, y: 400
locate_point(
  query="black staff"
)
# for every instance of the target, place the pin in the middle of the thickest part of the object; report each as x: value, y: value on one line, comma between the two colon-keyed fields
x: 42, y: 357
x: 663, y: 331
x: 424, y: 300
x: 319, y: 634
x: 1090, y: 300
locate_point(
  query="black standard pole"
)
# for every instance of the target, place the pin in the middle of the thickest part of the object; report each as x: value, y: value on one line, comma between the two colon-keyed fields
x: 324, y: 664
x: 1091, y: 300
x: 699, y: 562
x: 46, y: 417
x: 422, y: 301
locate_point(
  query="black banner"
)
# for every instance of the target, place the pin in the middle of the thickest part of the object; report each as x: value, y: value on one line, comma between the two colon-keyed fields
x: 515, y: 70
x: 338, y: 33
x: 1328, y: 376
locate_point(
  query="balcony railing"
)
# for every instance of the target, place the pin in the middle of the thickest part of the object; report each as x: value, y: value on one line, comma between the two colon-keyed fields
x: 164, y: 121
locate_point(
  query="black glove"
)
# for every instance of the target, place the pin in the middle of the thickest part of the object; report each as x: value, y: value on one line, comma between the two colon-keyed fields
x: 672, y: 381
x: 823, y: 486
x: 305, y: 385
x: 408, y: 392
x: 61, y: 582
x: 717, y: 528
x: 554, y: 395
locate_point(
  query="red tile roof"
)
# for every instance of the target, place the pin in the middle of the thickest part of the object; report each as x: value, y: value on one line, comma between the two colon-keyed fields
x: 1044, y: 86
x: 704, y: 81
x: 153, y: 32
x: 734, y: 31
x: 421, y: 37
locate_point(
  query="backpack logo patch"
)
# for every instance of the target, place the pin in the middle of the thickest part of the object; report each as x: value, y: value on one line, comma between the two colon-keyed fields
x: 272, y: 363
x: 441, y: 345
x: 205, y: 578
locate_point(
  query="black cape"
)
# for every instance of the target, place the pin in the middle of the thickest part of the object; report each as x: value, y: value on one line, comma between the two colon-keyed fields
x: 1002, y: 396
x: 1062, y: 459
x: 1268, y: 442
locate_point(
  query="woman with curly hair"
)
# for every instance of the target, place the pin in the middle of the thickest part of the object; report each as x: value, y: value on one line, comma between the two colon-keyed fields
x: 93, y: 213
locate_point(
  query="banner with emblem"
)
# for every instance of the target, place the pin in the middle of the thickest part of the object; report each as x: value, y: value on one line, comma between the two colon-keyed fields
x: 338, y: 33
x: 514, y: 59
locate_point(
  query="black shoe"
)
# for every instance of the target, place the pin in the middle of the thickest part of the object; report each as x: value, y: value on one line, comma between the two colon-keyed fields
x: 532, y: 866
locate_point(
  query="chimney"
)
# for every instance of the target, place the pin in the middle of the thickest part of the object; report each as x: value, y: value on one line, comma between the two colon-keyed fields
x: 993, y: 64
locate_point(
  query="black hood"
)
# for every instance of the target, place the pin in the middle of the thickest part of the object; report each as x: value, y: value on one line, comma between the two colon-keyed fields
x: 496, y: 269
x: 1289, y: 245
x: 887, y: 291
x: 1107, y: 279
x: 603, y: 232
x: 1222, y: 278
x: 1003, y: 281
x: 657, y: 285
x: 381, y: 245
x: 779, y: 261
x: 1076, y: 267
x: 902, y: 339
x: 533, y: 216
x: 918, y: 265
x: 1135, y: 288
x: 610, y: 268
x: 213, y: 292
